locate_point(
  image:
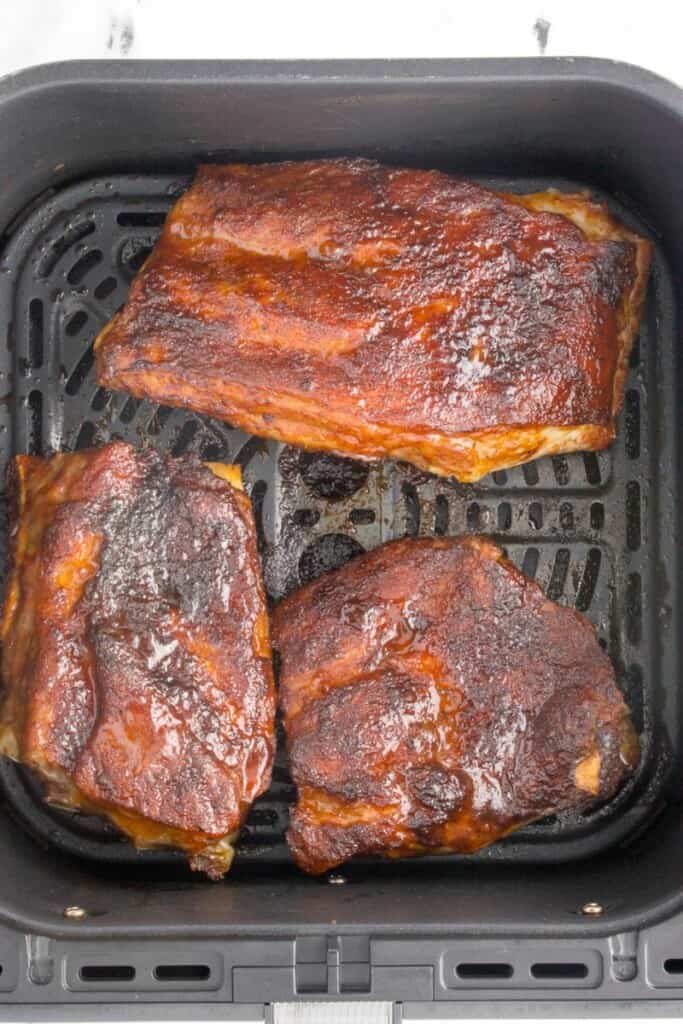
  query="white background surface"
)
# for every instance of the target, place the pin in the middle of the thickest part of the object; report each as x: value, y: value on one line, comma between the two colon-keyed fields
x: 647, y: 32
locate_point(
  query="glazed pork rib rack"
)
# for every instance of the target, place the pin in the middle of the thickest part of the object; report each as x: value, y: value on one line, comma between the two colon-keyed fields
x: 381, y: 312
x: 434, y: 700
x: 136, y: 654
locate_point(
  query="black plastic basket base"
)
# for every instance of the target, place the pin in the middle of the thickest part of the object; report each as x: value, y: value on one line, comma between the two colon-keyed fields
x: 580, y: 524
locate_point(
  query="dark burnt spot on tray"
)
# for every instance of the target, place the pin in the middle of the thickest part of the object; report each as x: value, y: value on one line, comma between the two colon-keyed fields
x: 325, y: 553
x: 330, y: 476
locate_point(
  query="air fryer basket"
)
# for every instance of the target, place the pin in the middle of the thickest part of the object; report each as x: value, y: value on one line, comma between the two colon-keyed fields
x: 577, y: 914
x: 579, y: 524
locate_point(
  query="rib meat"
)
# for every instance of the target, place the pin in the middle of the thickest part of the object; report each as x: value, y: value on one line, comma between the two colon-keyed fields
x: 435, y: 700
x: 136, y: 653
x: 382, y: 312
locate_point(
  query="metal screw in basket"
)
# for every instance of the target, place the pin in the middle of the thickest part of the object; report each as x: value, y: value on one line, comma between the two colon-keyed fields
x: 592, y: 909
x: 74, y: 913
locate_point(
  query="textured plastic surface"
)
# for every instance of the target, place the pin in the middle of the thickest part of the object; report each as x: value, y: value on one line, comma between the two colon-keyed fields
x: 604, y: 529
x: 575, y: 523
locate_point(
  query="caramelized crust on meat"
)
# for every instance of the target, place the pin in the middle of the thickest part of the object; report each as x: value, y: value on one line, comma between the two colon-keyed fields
x: 435, y: 700
x: 136, y: 652
x: 381, y: 312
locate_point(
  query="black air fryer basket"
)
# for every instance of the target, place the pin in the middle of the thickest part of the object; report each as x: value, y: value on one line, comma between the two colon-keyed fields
x: 582, y: 909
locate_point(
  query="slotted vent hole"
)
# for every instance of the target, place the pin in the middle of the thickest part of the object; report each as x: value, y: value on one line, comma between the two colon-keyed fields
x: 559, y: 971
x: 473, y: 517
x: 530, y: 563
x: 86, y: 435
x: 213, y: 452
x: 634, y: 608
x: 83, y: 266
x: 561, y: 470
x: 258, y: 494
x: 632, y: 424
x: 362, y: 516
x: 80, y: 371
x: 566, y: 517
x: 597, y: 515
x: 306, y: 516
x: 500, y: 477
x: 141, y: 218
x: 504, y: 516
x: 592, y: 468
x: 530, y: 474
x: 441, y: 515
x: 105, y: 288
x: 674, y: 965
x: 185, y: 437
x: 633, y: 515
x: 484, y: 971
x: 330, y: 476
x: 74, y: 233
x: 127, y: 414
x: 159, y: 419
x: 75, y: 324
x: 632, y: 684
x: 536, y: 515
x: 182, y: 972
x: 35, y: 423
x: 558, y: 578
x: 100, y: 399
x: 589, y: 581
x: 35, y: 334
x: 412, y: 505
x: 100, y: 973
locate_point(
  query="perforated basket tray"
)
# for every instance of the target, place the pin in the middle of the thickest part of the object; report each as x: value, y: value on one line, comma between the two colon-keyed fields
x: 581, y: 525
